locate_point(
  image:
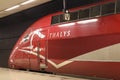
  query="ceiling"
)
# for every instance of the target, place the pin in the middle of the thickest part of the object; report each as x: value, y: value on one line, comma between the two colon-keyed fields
x: 5, y: 4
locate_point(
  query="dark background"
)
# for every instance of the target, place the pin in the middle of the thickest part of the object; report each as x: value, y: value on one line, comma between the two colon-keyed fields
x: 11, y: 27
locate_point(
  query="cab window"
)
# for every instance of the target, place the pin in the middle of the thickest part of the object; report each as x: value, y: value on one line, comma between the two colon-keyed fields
x: 95, y: 11
x: 83, y: 14
x: 108, y: 9
x: 118, y: 7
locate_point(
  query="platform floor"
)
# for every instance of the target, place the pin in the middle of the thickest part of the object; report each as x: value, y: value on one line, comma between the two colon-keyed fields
x: 9, y: 74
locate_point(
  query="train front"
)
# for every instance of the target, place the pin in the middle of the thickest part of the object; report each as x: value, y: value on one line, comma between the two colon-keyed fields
x: 26, y: 52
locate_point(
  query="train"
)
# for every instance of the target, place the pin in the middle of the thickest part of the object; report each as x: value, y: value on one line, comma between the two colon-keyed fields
x: 80, y: 41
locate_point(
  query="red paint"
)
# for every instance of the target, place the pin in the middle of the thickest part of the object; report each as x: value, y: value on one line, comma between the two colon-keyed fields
x: 66, y: 43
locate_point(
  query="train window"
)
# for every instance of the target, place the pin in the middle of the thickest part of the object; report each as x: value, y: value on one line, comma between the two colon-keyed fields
x: 74, y: 15
x: 118, y: 6
x: 62, y: 18
x: 84, y: 14
x: 55, y: 19
x: 95, y: 11
x: 108, y: 8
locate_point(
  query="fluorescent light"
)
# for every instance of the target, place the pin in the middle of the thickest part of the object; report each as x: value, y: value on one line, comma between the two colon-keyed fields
x: 11, y: 8
x: 87, y: 21
x: 69, y: 24
x: 27, y: 2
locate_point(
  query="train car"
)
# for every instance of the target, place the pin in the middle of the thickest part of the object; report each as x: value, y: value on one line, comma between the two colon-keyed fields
x: 82, y: 41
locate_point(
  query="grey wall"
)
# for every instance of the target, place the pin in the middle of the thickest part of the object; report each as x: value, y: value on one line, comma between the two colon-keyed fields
x: 9, y: 34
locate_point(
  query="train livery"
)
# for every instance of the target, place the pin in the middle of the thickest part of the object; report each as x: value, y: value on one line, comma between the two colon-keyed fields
x: 82, y: 41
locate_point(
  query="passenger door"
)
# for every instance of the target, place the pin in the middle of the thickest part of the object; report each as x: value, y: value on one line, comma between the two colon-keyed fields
x: 39, y: 52
x: 43, y: 49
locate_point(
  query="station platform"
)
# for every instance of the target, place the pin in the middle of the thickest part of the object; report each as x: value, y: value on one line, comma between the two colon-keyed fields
x: 10, y: 74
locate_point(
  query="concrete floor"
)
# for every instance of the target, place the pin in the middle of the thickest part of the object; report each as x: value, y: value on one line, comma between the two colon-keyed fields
x: 9, y: 74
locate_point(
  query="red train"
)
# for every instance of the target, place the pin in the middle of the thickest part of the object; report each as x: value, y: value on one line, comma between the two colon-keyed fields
x: 83, y: 41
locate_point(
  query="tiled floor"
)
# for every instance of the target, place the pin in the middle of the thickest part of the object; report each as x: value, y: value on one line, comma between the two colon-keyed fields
x: 9, y: 74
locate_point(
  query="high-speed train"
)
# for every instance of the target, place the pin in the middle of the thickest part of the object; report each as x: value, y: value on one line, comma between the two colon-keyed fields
x: 81, y: 41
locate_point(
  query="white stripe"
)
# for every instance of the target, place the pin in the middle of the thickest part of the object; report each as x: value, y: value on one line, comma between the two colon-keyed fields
x: 106, y: 54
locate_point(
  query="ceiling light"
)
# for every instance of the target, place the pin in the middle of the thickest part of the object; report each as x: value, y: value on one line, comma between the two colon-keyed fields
x: 27, y: 2
x: 11, y: 8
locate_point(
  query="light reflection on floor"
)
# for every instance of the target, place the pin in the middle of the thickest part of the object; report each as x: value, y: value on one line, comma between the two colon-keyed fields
x: 9, y: 74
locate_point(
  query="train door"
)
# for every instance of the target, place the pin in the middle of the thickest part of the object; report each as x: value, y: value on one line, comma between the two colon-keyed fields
x: 43, y: 49
x: 38, y: 55
x: 34, y: 56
